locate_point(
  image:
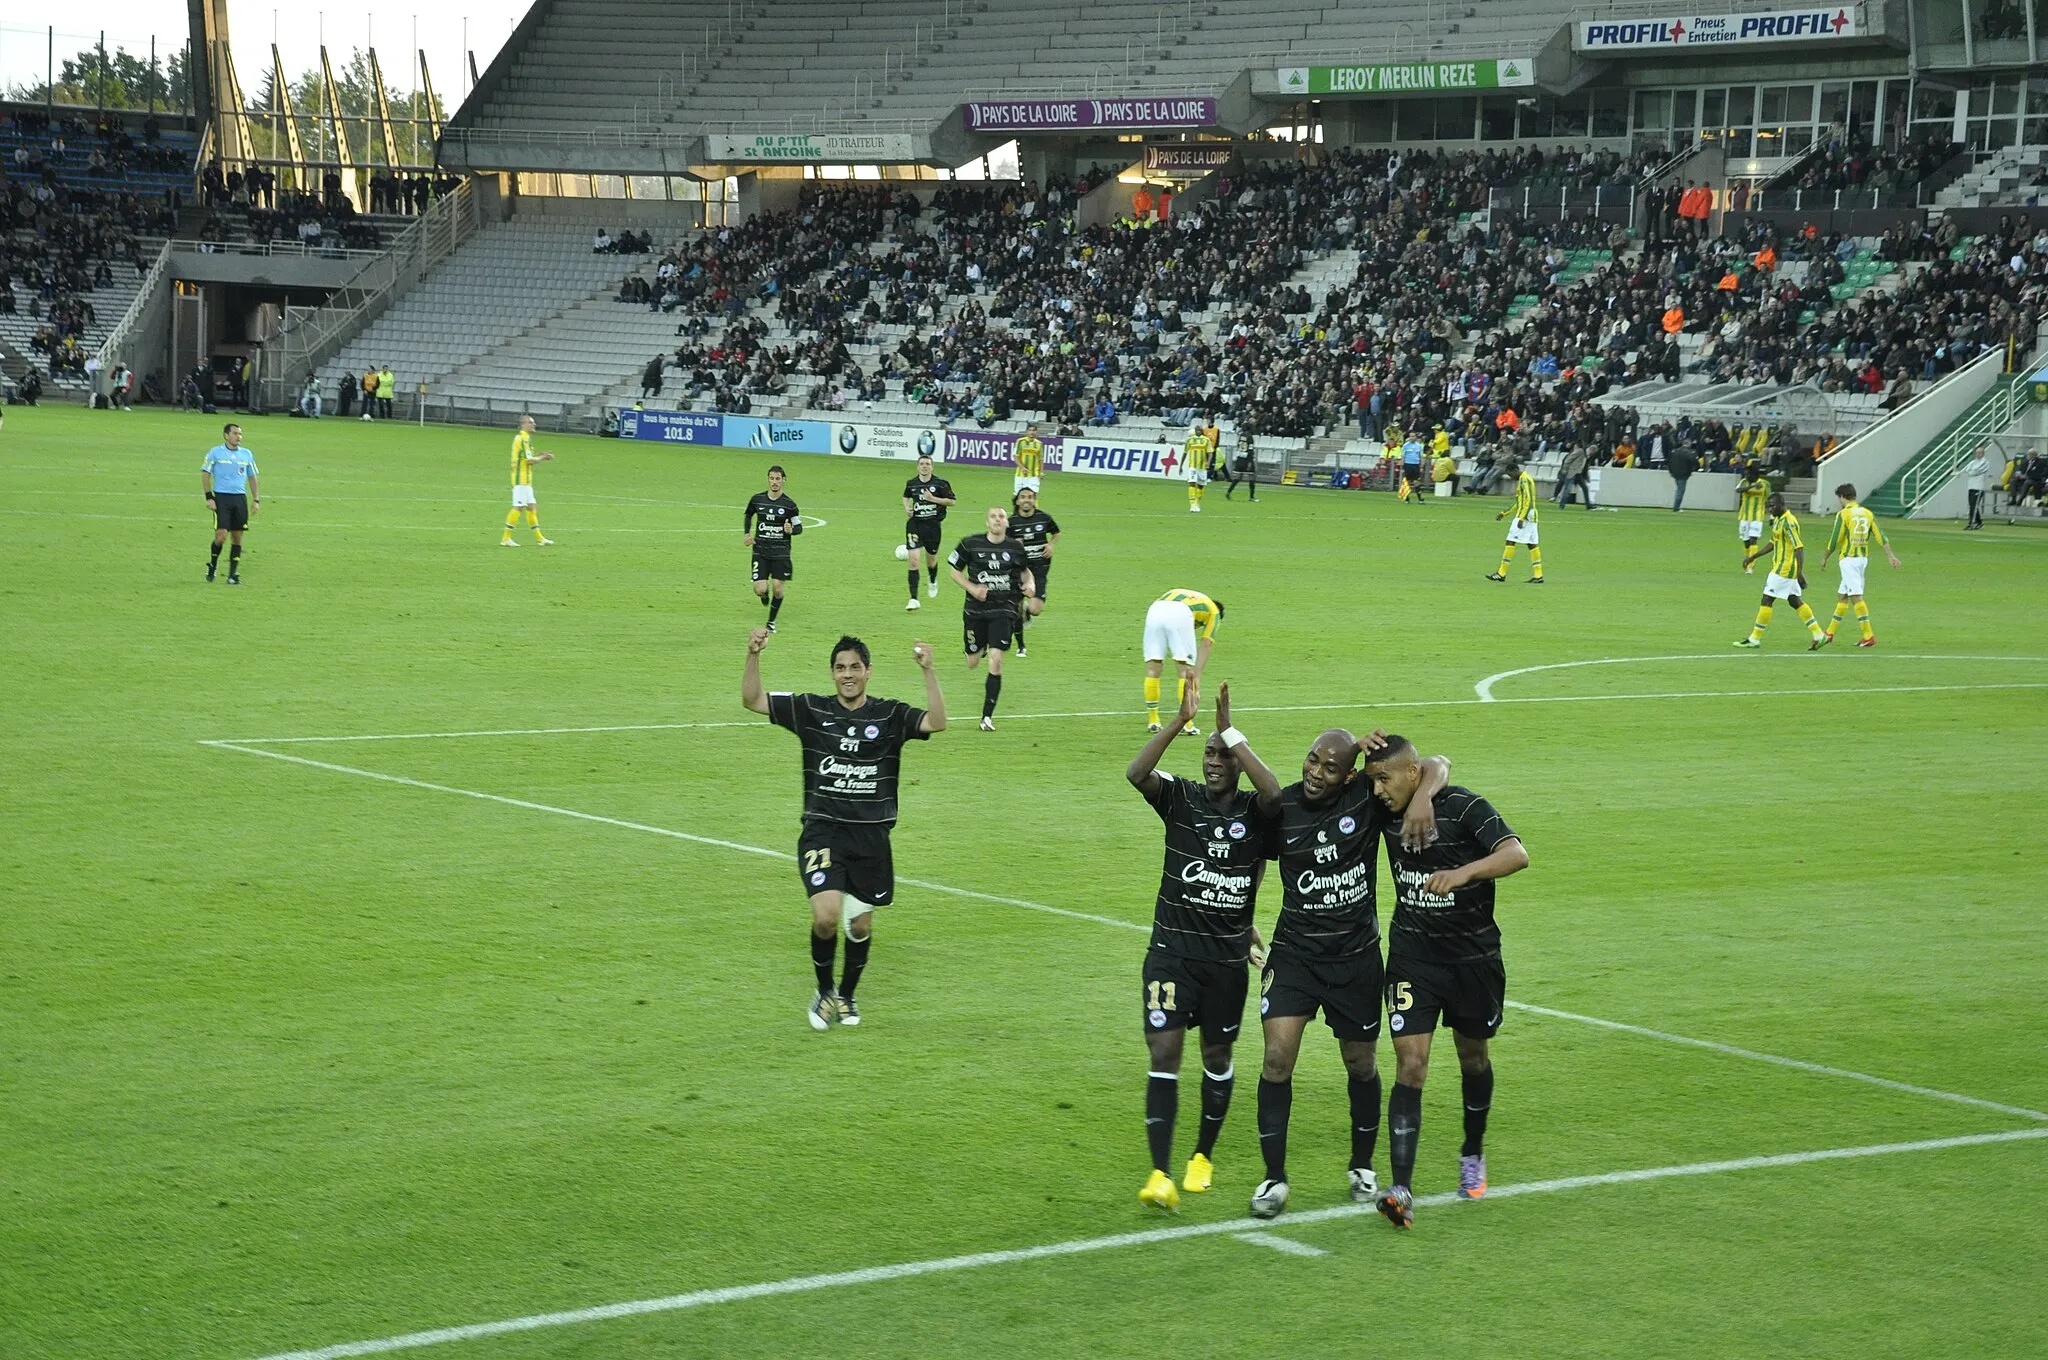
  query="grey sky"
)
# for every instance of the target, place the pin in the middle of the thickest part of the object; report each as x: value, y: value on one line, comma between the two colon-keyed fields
x: 298, y: 27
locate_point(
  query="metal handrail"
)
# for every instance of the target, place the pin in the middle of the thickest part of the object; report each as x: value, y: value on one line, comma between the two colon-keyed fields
x: 298, y: 248
x: 1933, y: 469
x: 130, y: 319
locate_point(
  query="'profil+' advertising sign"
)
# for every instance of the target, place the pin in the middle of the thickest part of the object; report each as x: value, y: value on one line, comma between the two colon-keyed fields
x: 1719, y: 30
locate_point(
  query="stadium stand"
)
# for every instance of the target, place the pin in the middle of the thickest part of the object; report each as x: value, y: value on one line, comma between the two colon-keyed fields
x: 2014, y: 177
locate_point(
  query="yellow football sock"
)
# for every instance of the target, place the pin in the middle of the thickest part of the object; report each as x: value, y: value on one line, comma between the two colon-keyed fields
x: 1194, y: 494
x: 511, y: 522
x: 1841, y: 612
x: 1863, y: 619
x: 1152, y: 698
x: 1507, y: 555
x: 1180, y: 693
x: 1535, y: 562
x: 1763, y: 621
x: 1806, y: 617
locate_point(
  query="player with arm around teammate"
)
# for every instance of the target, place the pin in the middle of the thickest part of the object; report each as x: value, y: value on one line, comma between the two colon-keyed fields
x: 767, y: 524
x: 853, y: 750
x: 1443, y: 960
x: 926, y: 499
x: 1326, y: 946
x: 1203, y: 933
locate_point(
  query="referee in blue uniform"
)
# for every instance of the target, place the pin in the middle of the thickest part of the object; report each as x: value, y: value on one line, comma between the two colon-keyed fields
x: 228, y: 477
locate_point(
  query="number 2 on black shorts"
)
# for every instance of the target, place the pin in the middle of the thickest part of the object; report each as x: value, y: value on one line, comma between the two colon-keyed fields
x: 820, y: 858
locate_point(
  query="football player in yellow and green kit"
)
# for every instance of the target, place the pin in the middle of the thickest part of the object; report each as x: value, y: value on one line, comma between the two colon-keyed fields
x: 1855, y: 530
x: 1180, y: 624
x: 1029, y: 455
x: 1788, y: 576
x: 1523, y: 528
x: 1200, y: 453
x: 1750, y: 494
x: 523, y: 459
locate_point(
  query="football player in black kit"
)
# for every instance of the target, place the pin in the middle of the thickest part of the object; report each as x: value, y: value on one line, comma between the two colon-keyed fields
x: 925, y: 499
x: 994, y: 571
x: 1443, y: 959
x: 853, y: 749
x: 1326, y: 945
x: 1202, y: 931
x: 768, y: 523
x: 1037, y: 531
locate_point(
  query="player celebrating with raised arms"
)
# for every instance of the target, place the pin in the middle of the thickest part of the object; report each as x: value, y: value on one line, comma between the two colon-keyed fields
x: 1037, y: 532
x: 767, y: 524
x: 1202, y: 930
x: 1326, y: 947
x: 1180, y: 624
x: 994, y: 571
x: 1443, y: 960
x: 853, y: 749
x: 523, y: 503
x: 925, y: 499
x: 1787, y: 580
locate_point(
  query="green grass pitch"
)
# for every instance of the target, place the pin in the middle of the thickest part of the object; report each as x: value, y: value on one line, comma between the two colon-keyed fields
x: 292, y: 1057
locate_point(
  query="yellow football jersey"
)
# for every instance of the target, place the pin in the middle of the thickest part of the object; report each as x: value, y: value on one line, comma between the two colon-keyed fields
x: 1750, y: 495
x: 522, y: 459
x: 1785, y: 545
x: 1525, y: 498
x: 1207, y: 614
x: 1030, y: 456
x: 1855, y: 530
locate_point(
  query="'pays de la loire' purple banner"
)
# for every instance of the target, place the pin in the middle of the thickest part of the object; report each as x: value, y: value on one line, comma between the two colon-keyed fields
x: 1049, y: 115
x: 994, y: 448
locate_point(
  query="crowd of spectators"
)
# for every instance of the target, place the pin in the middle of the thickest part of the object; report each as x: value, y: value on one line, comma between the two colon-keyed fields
x: 1850, y: 162
x: 58, y: 244
x: 100, y: 147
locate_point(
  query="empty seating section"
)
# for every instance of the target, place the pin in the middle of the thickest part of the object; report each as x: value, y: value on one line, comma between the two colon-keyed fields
x: 506, y: 280
x: 2015, y: 176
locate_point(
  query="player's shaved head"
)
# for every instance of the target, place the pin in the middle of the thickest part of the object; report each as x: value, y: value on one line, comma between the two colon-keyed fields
x: 1331, y: 761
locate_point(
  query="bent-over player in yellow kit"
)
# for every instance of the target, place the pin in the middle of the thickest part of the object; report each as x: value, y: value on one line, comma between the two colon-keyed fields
x: 1788, y: 576
x: 523, y: 504
x: 1200, y: 454
x: 1855, y: 530
x: 1522, y: 529
x: 1180, y: 624
x: 1751, y: 493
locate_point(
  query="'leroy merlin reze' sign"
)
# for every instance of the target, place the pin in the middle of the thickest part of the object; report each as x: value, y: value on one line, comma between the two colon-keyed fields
x: 1423, y: 77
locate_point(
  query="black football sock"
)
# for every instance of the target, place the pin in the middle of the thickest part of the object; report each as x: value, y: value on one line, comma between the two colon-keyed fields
x: 1478, y: 1102
x: 214, y: 560
x: 821, y: 958
x: 1215, y: 1105
x: 933, y: 572
x: 1365, y: 1119
x: 856, y: 964
x: 1404, y: 1126
x: 1276, y: 1100
x: 991, y: 691
x: 912, y: 574
x: 774, y: 607
x: 1162, y: 1101
x: 235, y: 560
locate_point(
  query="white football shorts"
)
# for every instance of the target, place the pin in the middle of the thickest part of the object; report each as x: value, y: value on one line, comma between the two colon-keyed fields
x: 1781, y: 587
x: 1199, y: 476
x: 1170, y: 632
x: 1852, y: 574
x: 522, y: 498
x: 1749, y: 530
x: 1021, y: 483
x: 1522, y: 531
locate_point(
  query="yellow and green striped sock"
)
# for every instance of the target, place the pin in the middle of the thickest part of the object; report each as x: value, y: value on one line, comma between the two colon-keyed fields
x: 1863, y: 619
x: 1763, y: 621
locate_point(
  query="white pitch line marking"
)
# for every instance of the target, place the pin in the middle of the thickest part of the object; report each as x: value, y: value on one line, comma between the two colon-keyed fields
x: 805, y: 1284
x: 1112, y: 921
x: 1132, y: 713
x: 1281, y: 1244
x: 1484, y: 689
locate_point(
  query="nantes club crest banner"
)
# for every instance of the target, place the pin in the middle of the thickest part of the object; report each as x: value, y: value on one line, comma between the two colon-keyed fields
x: 1426, y: 77
x: 1718, y: 30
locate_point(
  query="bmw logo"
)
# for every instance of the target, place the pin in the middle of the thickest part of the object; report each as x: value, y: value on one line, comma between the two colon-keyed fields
x: 927, y: 443
x: 873, y: 732
x: 1237, y: 831
x: 849, y: 439
x: 1346, y: 825
x: 818, y: 879
x: 1158, y: 1019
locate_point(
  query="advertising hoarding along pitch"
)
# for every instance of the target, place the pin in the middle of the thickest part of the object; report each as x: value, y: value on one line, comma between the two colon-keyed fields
x: 1054, y: 115
x: 789, y: 436
x: 1716, y: 30
x: 994, y: 448
x: 1425, y: 77
x: 837, y: 148
x: 1188, y: 158
x: 901, y: 443
x: 1116, y: 459
x: 672, y: 427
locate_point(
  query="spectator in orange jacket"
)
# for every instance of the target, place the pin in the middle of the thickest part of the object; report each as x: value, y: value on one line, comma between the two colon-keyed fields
x: 1674, y: 321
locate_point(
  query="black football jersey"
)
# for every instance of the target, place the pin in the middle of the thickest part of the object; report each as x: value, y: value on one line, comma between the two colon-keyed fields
x: 772, y: 520
x: 1032, y: 531
x: 1329, y: 871
x: 999, y: 566
x: 925, y: 510
x: 1446, y: 929
x: 851, y: 755
x: 1210, y: 882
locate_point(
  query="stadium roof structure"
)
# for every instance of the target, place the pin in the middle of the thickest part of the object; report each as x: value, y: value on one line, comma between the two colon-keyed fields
x: 662, y: 86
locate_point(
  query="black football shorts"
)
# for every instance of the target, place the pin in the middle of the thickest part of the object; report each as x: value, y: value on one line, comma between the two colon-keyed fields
x: 1468, y: 995
x: 1346, y: 991
x: 987, y: 632
x: 1180, y: 993
x: 230, y: 510
x: 848, y: 857
x: 922, y: 533
x: 773, y: 566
